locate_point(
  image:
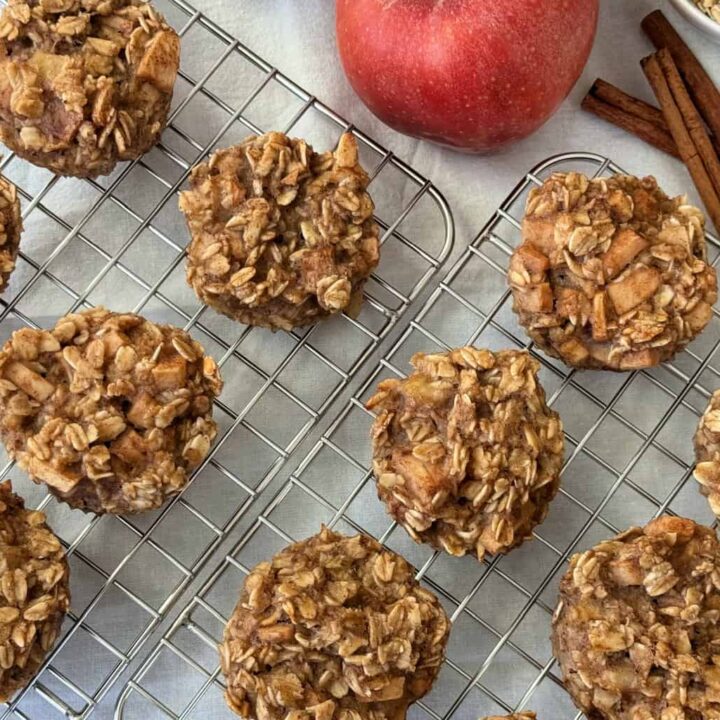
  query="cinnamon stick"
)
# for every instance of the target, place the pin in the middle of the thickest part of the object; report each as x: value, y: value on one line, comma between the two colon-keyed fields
x: 691, y: 116
x: 683, y: 139
x: 635, y: 125
x: 618, y: 98
x: 701, y: 87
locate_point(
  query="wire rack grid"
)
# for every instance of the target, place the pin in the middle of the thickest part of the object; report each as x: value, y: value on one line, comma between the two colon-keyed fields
x: 119, y: 241
x: 628, y: 458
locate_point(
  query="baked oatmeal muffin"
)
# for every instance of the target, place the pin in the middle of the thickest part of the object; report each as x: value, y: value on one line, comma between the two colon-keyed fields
x: 611, y: 272
x: 636, y: 628
x: 10, y: 230
x: 332, y: 628
x: 466, y: 453
x: 110, y: 411
x: 525, y: 715
x: 34, y: 591
x: 707, y: 453
x: 282, y: 236
x: 84, y: 83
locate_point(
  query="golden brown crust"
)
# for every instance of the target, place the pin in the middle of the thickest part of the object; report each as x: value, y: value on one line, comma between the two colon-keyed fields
x: 34, y: 591
x: 524, y: 715
x: 10, y: 230
x: 636, y: 628
x: 84, y: 83
x: 466, y: 453
x: 332, y: 628
x: 282, y: 236
x: 111, y: 411
x: 611, y: 273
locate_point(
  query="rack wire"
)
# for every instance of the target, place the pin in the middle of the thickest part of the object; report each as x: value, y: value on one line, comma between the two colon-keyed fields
x: 119, y: 241
x: 628, y: 458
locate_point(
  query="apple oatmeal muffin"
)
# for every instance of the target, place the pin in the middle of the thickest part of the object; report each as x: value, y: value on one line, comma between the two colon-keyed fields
x: 282, y: 236
x: 611, y: 272
x: 636, y: 627
x: 707, y: 453
x: 10, y: 230
x: 84, y: 83
x: 110, y: 411
x: 34, y: 591
x: 466, y: 452
x: 332, y: 628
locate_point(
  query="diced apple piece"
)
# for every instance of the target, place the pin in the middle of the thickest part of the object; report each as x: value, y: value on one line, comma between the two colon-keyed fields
x: 160, y: 62
x: 58, y: 122
x: 423, y: 390
x: 573, y: 351
x: 601, y: 353
x: 48, y: 65
x: 62, y: 481
x: 626, y: 573
x: 171, y: 373
x: 599, y: 318
x: 48, y: 342
x: 129, y: 447
x: 540, y: 232
x: 536, y: 298
x: 532, y: 259
x: 711, y: 675
x: 682, y: 527
x: 699, y: 316
x: 143, y: 410
x: 571, y: 303
x: 36, y: 386
x: 422, y: 480
x: 394, y: 690
x: 625, y: 247
x: 639, y: 359
x: 636, y: 288
x: 113, y: 341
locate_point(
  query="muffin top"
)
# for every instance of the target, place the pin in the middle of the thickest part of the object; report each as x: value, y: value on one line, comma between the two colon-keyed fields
x: 611, y: 272
x: 34, y: 592
x: 636, y: 628
x: 282, y: 236
x: 332, y: 628
x: 110, y: 410
x: 84, y: 83
x: 466, y: 453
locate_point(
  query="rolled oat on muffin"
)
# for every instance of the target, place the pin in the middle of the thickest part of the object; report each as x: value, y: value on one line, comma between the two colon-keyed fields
x: 34, y: 591
x: 636, y: 627
x: 11, y: 228
x: 611, y: 273
x: 84, y: 83
x: 282, y: 236
x: 707, y: 453
x: 111, y: 411
x: 332, y: 628
x: 466, y: 453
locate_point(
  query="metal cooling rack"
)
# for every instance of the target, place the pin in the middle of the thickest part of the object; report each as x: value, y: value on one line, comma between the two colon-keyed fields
x: 120, y: 241
x: 628, y: 458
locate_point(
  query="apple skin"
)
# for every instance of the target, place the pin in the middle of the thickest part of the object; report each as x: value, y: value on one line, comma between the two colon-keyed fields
x: 471, y: 74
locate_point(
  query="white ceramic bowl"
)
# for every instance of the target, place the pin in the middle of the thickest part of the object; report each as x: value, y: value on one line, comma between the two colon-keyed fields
x: 693, y: 14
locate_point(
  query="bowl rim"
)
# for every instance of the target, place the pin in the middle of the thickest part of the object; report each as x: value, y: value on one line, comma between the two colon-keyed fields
x: 698, y: 16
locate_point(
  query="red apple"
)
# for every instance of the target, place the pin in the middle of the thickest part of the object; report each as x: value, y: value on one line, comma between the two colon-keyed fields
x: 472, y: 74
